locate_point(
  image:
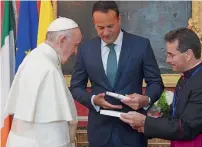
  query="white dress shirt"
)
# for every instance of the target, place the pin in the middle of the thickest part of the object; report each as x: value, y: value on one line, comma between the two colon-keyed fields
x: 105, y: 52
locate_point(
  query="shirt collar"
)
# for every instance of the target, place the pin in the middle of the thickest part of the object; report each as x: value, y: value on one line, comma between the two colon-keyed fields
x: 118, y: 41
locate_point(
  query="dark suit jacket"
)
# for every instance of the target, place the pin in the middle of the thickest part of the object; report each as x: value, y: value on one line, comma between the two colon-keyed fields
x: 136, y: 61
x: 187, y: 122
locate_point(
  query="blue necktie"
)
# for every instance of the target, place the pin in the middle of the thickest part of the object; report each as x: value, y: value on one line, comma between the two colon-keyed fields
x: 111, y: 64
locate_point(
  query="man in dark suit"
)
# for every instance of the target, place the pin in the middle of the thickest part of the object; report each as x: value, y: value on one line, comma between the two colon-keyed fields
x: 185, y: 122
x: 115, y: 61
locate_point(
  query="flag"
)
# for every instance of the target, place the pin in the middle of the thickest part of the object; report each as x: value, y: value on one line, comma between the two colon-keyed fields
x: 46, y: 16
x: 7, y: 63
x: 27, y: 30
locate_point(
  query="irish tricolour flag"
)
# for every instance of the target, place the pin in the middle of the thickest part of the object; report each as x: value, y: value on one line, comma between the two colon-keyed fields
x: 7, y: 60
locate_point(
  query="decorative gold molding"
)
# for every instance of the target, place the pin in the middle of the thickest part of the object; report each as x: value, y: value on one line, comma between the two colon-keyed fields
x: 194, y: 23
x: 169, y: 80
x: 68, y: 79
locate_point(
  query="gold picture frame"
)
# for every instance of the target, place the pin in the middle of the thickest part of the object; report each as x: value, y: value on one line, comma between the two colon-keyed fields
x: 194, y: 23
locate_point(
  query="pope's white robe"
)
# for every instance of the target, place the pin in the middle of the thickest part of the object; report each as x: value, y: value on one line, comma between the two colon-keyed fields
x: 39, y: 97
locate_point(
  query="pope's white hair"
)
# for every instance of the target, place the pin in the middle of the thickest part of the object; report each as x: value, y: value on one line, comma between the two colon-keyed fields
x: 52, y: 36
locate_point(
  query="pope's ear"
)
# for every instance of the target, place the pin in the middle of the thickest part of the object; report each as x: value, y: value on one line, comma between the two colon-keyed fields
x: 62, y: 39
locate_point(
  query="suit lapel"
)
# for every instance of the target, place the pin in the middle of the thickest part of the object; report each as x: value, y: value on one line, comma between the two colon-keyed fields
x: 98, y: 56
x: 124, y: 55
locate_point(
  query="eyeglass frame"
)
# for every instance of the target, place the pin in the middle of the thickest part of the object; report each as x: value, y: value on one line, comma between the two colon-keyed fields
x: 173, y: 55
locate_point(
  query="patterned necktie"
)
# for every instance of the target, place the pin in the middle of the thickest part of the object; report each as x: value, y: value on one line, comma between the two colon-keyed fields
x: 111, y: 64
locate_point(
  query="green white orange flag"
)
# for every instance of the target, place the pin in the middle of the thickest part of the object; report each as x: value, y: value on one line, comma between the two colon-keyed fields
x: 7, y: 62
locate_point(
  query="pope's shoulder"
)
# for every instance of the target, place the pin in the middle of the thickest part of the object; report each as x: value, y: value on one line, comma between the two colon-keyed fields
x: 36, y: 61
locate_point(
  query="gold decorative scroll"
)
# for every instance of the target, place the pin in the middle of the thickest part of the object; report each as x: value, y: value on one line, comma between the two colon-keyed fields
x: 194, y: 23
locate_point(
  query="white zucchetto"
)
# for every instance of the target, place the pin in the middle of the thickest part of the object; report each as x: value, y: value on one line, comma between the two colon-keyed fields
x: 62, y: 23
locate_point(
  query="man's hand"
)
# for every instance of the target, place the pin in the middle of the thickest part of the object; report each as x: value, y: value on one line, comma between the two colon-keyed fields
x: 100, y: 101
x: 134, y: 119
x: 136, y: 101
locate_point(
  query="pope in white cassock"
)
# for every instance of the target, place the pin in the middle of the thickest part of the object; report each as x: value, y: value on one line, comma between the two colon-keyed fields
x: 44, y: 111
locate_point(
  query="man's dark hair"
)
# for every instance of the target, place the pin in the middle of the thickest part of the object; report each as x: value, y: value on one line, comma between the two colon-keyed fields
x: 105, y: 6
x: 187, y: 39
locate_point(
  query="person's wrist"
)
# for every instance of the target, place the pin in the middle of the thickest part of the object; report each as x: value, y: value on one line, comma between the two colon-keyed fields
x: 95, y: 101
x: 148, y: 101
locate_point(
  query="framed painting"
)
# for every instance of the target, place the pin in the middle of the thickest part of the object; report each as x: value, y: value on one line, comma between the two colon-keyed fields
x: 149, y: 19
